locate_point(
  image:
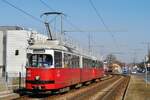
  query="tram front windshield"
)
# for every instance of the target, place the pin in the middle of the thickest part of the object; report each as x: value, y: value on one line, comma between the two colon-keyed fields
x: 40, y: 60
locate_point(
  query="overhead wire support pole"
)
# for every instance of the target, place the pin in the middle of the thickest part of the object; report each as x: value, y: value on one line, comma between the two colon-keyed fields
x: 148, y: 47
x: 145, y: 60
x: 89, y: 40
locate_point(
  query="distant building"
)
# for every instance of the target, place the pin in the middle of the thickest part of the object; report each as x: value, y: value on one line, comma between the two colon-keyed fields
x: 13, y: 45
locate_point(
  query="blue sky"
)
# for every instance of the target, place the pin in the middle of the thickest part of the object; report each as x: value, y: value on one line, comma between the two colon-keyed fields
x: 129, y: 16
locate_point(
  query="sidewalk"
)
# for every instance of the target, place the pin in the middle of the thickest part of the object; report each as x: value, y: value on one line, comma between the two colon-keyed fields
x: 5, y: 93
x: 137, y: 89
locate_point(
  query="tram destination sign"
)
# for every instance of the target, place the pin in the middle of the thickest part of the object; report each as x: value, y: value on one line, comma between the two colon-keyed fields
x: 39, y: 51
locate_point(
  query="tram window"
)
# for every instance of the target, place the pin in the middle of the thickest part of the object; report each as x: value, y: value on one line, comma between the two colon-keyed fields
x: 47, y: 60
x: 58, y: 59
x: 71, y: 61
x: 90, y: 63
x: 75, y: 61
x: 85, y: 62
x: 93, y: 63
x: 40, y: 60
x: 67, y: 60
x: 97, y: 64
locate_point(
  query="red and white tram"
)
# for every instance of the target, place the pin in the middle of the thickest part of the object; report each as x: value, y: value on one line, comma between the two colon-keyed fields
x: 52, y: 66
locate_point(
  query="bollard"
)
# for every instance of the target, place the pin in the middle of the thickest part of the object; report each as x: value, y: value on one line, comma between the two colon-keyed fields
x: 6, y: 76
x: 19, y: 80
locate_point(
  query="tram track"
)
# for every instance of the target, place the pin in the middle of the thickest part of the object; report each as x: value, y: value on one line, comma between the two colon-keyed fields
x: 117, y: 91
x: 95, y: 91
x: 84, y: 93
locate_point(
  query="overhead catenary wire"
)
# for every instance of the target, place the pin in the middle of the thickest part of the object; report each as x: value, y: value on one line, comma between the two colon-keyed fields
x: 72, y: 25
x: 49, y: 7
x: 26, y: 13
x: 69, y: 22
x: 23, y: 11
x: 44, y: 3
x: 102, y: 21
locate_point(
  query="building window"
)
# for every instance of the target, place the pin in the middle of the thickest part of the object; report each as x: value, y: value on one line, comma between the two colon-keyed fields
x: 16, y: 52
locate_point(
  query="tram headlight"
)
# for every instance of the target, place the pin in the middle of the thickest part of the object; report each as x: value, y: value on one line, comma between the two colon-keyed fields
x: 37, y: 77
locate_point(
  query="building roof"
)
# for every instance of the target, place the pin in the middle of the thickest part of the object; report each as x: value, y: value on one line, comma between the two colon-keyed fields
x: 4, y: 28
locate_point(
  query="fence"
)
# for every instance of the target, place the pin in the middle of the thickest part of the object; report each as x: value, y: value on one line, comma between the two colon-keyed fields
x: 14, y: 80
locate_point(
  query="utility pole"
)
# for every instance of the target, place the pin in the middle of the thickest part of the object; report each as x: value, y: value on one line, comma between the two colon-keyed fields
x: 145, y: 60
x: 135, y: 56
x: 148, y: 48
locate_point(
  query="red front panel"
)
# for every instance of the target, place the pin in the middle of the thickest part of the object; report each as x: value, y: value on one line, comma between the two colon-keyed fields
x: 44, y: 73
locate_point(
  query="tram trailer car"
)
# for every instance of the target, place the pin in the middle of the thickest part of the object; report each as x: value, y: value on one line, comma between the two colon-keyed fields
x: 52, y: 68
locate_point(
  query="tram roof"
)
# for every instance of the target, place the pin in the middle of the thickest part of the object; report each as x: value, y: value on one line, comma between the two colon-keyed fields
x: 56, y: 45
x: 53, y: 44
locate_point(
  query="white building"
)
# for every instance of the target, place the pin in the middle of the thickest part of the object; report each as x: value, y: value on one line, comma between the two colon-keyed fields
x: 13, y: 46
x: 1, y: 51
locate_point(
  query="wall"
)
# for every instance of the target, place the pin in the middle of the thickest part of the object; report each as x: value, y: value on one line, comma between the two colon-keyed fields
x: 1, y: 48
x: 16, y: 40
x: 1, y: 52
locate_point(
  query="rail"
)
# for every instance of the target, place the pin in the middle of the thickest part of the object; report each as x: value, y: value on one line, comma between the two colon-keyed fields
x: 110, y: 88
